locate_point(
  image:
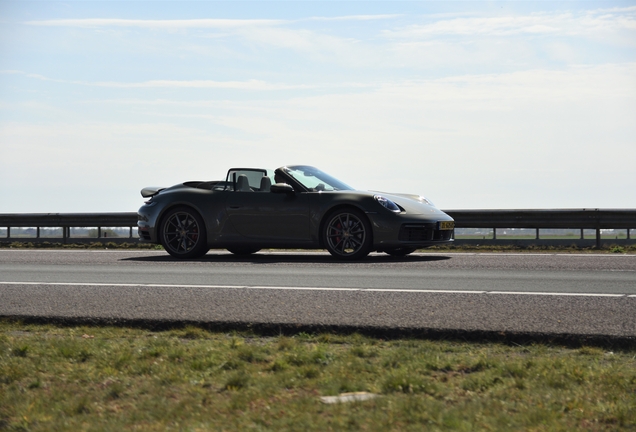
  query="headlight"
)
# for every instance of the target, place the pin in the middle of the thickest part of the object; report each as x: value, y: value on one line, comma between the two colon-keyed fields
x: 387, y: 203
x: 426, y: 201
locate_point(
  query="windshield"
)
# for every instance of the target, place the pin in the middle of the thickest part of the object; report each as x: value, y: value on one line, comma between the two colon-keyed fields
x: 314, y: 179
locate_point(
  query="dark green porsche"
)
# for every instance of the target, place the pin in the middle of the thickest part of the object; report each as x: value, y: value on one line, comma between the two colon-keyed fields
x: 293, y: 207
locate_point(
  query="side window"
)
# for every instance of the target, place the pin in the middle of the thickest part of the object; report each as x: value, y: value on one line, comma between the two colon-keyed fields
x: 257, y: 179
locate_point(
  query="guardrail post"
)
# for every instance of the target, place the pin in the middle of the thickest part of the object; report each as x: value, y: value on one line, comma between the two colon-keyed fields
x: 8, y: 232
x: 598, y: 238
x: 37, y: 232
x: 99, y: 232
x: 130, y: 235
x: 65, y: 234
x: 628, y: 233
x: 537, y: 236
x: 494, y: 233
x: 582, y: 234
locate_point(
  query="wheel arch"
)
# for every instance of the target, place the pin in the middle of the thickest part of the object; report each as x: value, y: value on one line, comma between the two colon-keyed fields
x: 333, y: 209
x: 172, y: 205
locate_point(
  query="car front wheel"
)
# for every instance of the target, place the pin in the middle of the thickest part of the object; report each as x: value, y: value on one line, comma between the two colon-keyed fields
x: 347, y: 234
x: 183, y: 233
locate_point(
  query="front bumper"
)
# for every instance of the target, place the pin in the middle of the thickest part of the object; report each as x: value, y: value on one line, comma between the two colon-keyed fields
x: 429, y: 232
x: 417, y: 231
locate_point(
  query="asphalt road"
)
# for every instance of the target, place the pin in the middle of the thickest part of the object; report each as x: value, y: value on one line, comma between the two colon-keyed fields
x: 574, y: 294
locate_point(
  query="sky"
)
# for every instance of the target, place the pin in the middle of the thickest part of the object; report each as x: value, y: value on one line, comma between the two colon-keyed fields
x: 475, y: 105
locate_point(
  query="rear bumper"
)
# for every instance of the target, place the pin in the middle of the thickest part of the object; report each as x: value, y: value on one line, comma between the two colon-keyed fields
x: 146, y: 225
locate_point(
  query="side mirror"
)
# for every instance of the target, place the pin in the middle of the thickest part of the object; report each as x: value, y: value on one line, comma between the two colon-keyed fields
x: 281, y: 188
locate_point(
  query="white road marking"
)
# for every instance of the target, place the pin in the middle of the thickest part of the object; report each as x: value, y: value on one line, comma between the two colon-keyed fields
x: 138, y: 285
x: 427, y: 291
x: 557, y: 294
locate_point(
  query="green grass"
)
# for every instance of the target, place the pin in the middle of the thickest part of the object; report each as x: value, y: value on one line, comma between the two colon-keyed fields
x: 114, y: 378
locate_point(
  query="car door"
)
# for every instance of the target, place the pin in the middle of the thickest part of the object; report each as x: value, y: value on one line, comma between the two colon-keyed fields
x: 269, y: 216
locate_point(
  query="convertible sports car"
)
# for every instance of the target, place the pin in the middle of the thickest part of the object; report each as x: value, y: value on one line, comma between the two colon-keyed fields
x: 296, y: 207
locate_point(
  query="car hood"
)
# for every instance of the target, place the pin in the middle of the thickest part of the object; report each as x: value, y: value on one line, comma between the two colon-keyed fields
x: 412, y: 204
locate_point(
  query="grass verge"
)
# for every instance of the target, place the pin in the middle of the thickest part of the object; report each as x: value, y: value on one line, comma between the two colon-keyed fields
x: 82, y: 377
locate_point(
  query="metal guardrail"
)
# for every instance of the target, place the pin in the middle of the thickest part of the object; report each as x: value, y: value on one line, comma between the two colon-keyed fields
x: 581, y: 219
x: 597, y: 219
x: 66, y: 221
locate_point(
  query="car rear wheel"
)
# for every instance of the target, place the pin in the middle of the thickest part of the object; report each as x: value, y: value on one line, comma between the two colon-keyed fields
x: 347, y: 234
x: 243, y: 251
x: 183, y: 233
x: 400, y: 252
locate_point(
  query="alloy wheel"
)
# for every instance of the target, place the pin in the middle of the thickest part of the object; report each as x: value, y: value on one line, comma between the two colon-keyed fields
x: 347, y: 235
x: 183, y: 234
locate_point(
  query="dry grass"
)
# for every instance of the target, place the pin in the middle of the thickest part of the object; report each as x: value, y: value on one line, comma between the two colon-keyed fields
x: 114, y: 378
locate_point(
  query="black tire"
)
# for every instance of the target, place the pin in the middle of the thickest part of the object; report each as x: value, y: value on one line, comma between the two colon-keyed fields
x: 182, y: 233
x: 347, y: 234
x: 243, y: 250
x: 400, y: 252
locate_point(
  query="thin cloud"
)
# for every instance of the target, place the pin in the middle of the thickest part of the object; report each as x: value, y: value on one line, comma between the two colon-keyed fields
x: 236, y: 85
x: 565, y: 23
x: 618, y: 9
x: 355, y: 18
x: 161, y: 24
x: 193, y: 23
x: 257, y: 85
